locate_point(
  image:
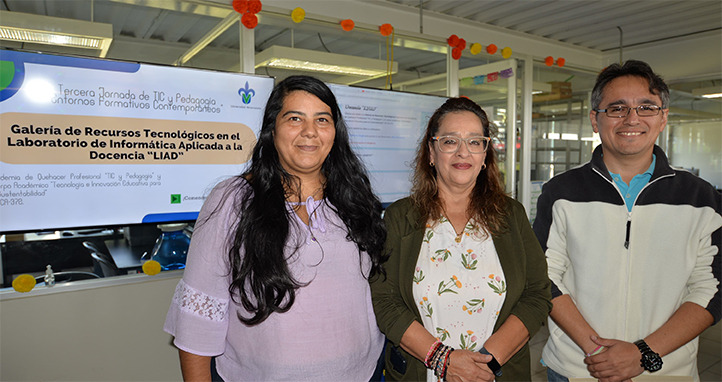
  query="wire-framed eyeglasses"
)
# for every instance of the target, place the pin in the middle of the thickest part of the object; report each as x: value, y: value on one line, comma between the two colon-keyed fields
x: 450, y: 144
x: 621, y: 111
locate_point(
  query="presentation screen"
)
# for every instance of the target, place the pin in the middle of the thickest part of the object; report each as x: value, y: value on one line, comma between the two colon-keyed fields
x: 89, y: 142
x: 385, y: 128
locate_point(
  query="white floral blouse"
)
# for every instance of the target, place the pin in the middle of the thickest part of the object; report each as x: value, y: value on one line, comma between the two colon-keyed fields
x: 459, y: 285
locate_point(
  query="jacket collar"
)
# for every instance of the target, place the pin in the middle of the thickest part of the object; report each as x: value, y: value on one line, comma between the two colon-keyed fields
x: 661, y: 168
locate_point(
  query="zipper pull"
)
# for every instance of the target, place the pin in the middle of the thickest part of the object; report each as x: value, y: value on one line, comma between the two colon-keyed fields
x: 626, y: 240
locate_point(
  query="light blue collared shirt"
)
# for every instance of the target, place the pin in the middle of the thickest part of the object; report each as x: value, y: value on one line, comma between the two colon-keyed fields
x: 631, y: 191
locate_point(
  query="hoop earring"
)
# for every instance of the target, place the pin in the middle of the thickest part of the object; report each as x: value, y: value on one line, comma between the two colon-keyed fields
x: 431, y: 164
x: 483, y: 166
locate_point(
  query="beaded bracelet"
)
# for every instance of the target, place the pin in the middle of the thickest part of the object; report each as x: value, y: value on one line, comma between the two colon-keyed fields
x: 432, y: 349
x: 447, y: 362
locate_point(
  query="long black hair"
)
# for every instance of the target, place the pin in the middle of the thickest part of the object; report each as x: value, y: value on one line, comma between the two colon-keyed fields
x: 261, y: 279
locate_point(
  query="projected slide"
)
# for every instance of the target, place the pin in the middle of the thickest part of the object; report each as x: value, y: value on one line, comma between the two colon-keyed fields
x: 87, y: 142
x: 385, y: 128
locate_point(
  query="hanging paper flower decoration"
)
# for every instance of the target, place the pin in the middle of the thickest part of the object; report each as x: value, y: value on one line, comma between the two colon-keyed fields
x: 456, y: 53
x: 475, y: 48
x: 347, y: 25
x: 151, y: 267
x: 254, y: 6
x: 240, y: 6
x: 386, y: 29
x: 549, y: 61
x: 561, y: 62
x: 506, y: 52
x: 298, y: 14
x: 249, y: 20
x: 462, y: 44
x: 491, y: 49
x: 453, y: 40
x: 24, y: 283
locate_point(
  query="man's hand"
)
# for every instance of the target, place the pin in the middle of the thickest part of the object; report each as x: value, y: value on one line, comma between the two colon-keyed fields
x: 620, y: 361
x: 466, y: 366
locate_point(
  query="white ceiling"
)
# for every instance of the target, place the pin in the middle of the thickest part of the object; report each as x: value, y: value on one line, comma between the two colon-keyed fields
x: 590, y: 24
x: 160, y: 31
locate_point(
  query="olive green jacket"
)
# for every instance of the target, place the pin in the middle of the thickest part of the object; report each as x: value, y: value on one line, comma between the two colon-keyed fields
x: 528, y: 293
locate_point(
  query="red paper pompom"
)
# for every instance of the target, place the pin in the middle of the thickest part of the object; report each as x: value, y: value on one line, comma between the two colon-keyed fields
x: 347, y: 25
x: 549, y: 61
x: 456, y: 53
x: 240, y: 6
x: 386, y: 29
x: 453, y: 40
x: 254, y: 6
x: 561, y: 62
x: 462, y: 44
x: 249, y: 20
x: 491, y: 49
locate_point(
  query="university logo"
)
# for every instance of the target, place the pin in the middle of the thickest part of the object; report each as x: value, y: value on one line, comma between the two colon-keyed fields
x: 246, y: 94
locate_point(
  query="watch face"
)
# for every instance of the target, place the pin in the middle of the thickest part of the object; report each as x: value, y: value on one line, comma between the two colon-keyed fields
x: 651, y: 361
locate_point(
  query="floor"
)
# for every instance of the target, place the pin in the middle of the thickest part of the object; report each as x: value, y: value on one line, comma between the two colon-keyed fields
x: 708, y: 361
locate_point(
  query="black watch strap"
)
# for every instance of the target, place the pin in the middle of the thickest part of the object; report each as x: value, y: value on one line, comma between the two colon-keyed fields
x: 493, y: 364
x: 651, y: 361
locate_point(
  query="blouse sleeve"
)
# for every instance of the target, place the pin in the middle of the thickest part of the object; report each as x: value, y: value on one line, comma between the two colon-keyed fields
x: 199, y: 311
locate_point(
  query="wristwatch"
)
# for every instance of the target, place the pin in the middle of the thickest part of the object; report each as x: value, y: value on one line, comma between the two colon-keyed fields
x: 493, y: 364
x: 651, y: 361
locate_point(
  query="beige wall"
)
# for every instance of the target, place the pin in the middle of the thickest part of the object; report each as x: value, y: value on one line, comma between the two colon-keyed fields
x: 111, y: 331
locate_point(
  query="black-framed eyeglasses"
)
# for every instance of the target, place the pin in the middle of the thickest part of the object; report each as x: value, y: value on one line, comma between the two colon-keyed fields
x: 621, y: 111
x: 450, y: 144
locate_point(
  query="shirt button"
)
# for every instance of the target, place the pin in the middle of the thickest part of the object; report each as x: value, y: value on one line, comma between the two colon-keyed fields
x: 629, y: 196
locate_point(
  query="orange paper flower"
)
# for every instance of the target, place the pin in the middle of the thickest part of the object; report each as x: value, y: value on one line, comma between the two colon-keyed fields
x: 549, y: 61
x: 24, y: 283
x: 491, y: 49
x: 254, y: 6
x: 386, y: 29
x: 456, y: 53
x: 561, y: 62
x: 347, y: 25
x: 453, y: 40
x: 240, y: 6
x: 249, y: 20
x: 298, y: 15
x: 462, y: 44
x: 506, y: 52
x: 151, y: 267
x: 475, y: 48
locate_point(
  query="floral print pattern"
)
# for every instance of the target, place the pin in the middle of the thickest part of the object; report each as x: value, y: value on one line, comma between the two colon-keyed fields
x: 447, y: 286
x: 419, y: 275
x: 426, y: 308
x: 497, y: 284
x: 467, y: 340
x: 459, y: 285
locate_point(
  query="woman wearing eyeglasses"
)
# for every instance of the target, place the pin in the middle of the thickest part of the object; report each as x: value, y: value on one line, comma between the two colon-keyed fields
x: 466, y: 283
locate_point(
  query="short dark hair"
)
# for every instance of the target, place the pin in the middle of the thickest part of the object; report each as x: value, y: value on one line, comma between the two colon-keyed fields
x: 630, y: 68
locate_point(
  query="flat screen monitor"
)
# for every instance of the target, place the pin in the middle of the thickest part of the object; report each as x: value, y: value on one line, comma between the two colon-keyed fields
x: 385, y: 128
x: 89, y: 142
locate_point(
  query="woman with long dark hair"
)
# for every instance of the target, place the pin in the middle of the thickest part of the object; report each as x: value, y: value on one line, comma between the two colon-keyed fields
x: 276, y: 283
x: 466, y: 282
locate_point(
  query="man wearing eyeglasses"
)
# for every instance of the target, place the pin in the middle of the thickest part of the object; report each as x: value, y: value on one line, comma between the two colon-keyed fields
x: 632, y: 244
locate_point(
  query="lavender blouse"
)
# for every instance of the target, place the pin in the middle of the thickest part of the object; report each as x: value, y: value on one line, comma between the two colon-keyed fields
x: 330, y: 332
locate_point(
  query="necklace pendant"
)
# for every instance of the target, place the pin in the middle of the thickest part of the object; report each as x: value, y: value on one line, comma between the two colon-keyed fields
x: 458, y: 239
